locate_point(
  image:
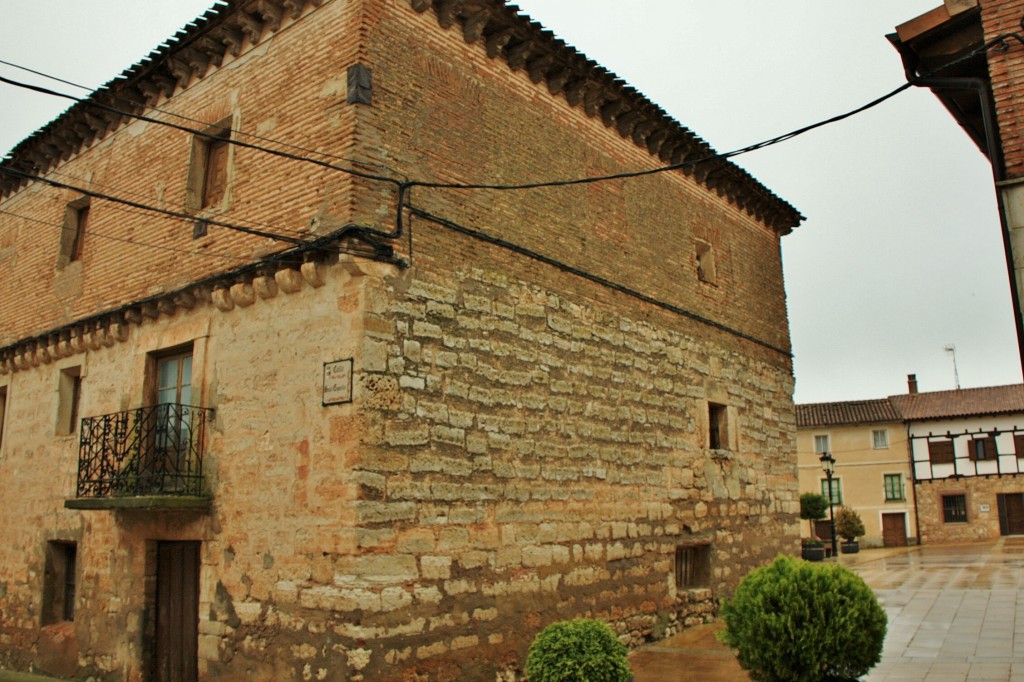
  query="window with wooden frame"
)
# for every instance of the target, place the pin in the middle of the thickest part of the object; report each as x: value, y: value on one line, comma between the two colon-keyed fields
x: 836, y: 491
x: 59, y: 580
x: 693, y: 566
x: 73, y: 232
x: 880, y: 439
x: 208, y: 170
x: 954, y: 508
x: 821, y: 444
x: 981, y: 448
x: 893, y: 487
x: 940, y: 451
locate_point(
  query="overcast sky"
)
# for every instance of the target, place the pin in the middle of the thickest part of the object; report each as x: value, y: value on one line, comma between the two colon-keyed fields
x: 900, y: 255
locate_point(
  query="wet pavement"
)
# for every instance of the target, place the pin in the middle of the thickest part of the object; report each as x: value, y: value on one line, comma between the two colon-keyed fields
x: 955, y: 614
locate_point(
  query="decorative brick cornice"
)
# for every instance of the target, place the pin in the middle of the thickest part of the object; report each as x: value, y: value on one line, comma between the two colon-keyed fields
x: 524, y: 44
x: 500, y: 28
x: 289, y: 272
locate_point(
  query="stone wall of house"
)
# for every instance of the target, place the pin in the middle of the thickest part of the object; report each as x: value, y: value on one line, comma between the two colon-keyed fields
x: 982, y: 507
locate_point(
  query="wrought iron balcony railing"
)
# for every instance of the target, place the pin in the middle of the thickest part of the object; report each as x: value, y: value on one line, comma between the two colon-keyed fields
x: 156, y: 450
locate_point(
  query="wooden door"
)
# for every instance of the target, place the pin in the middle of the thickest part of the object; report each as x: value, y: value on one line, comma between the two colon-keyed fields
x: 894, y: 530
x: 177, y: 612
x: 1011, y: 513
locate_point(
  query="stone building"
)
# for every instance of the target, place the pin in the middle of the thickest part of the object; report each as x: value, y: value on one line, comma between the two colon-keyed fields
x: 293, y: 385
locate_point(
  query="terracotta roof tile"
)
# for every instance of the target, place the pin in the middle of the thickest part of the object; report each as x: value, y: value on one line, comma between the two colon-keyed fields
x: 849, y: 412
x: 967, y: 402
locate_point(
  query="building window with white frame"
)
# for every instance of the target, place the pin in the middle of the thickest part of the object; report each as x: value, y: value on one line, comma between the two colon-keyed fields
x: 880, y: 439
x: 821, y: 444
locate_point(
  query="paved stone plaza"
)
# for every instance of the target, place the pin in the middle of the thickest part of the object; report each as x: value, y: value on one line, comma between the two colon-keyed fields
x: 955, y: 613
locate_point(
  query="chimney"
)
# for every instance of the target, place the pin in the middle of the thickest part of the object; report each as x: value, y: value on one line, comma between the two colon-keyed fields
x: 912, y: 384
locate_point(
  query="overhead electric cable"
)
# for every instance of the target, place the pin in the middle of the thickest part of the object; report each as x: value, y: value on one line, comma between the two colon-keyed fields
x: 155, y: 209
x: 205, y: 124
x: 101, y: 235
x: 84, y: 101
x: 127, y: 192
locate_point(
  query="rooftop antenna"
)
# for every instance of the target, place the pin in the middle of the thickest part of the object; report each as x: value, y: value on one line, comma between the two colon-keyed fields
x: 951, y: 349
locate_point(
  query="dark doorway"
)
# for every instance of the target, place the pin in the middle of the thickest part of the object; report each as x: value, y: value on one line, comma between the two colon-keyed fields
x: 177, y: 612
x: 894, y: 530
x: 1011, y: 513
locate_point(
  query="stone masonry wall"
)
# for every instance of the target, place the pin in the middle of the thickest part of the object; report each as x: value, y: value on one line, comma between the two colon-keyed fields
x: 980, y: 491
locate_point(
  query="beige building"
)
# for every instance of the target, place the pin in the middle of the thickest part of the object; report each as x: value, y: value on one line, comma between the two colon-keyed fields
x: 295, y: 385
x: 872, y: 475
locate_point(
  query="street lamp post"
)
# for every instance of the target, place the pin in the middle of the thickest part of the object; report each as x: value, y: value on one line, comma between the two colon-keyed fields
x: 828, y: 465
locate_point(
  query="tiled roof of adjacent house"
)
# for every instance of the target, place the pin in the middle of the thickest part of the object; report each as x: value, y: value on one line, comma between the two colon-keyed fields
x: 504, y: 31
x: 967, y: 402
x: 848, y: 412
x: 964, y: 402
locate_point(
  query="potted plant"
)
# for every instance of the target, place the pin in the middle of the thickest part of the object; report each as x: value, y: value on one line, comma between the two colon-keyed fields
x: 812, y: 508
x: 849, y: 527
x: 793, y: 621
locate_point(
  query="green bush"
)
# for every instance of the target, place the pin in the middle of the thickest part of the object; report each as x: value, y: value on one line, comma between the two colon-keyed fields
x: 794, y: 621
x: 580, y: 650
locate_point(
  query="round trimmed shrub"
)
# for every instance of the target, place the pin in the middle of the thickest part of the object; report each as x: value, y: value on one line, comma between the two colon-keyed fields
x: 794, y: 621
x: 581, y: 650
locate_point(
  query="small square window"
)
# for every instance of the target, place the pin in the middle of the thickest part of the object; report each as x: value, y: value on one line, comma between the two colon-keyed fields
x: 693, y: 566
x: 954, y: 508
x: 718, y: 427
x: 880, y: 439
x: 706, y: 270
x: 821, y: 444
x: 59, y: 578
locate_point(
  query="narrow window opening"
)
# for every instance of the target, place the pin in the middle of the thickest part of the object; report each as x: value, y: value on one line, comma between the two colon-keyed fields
x: 706, y: 270
x: 59, y: 582
x: 718, y: 427
x: 73, y: 232
x: 70, y: 394
x: 208, y: 171
x: 3, y: 412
